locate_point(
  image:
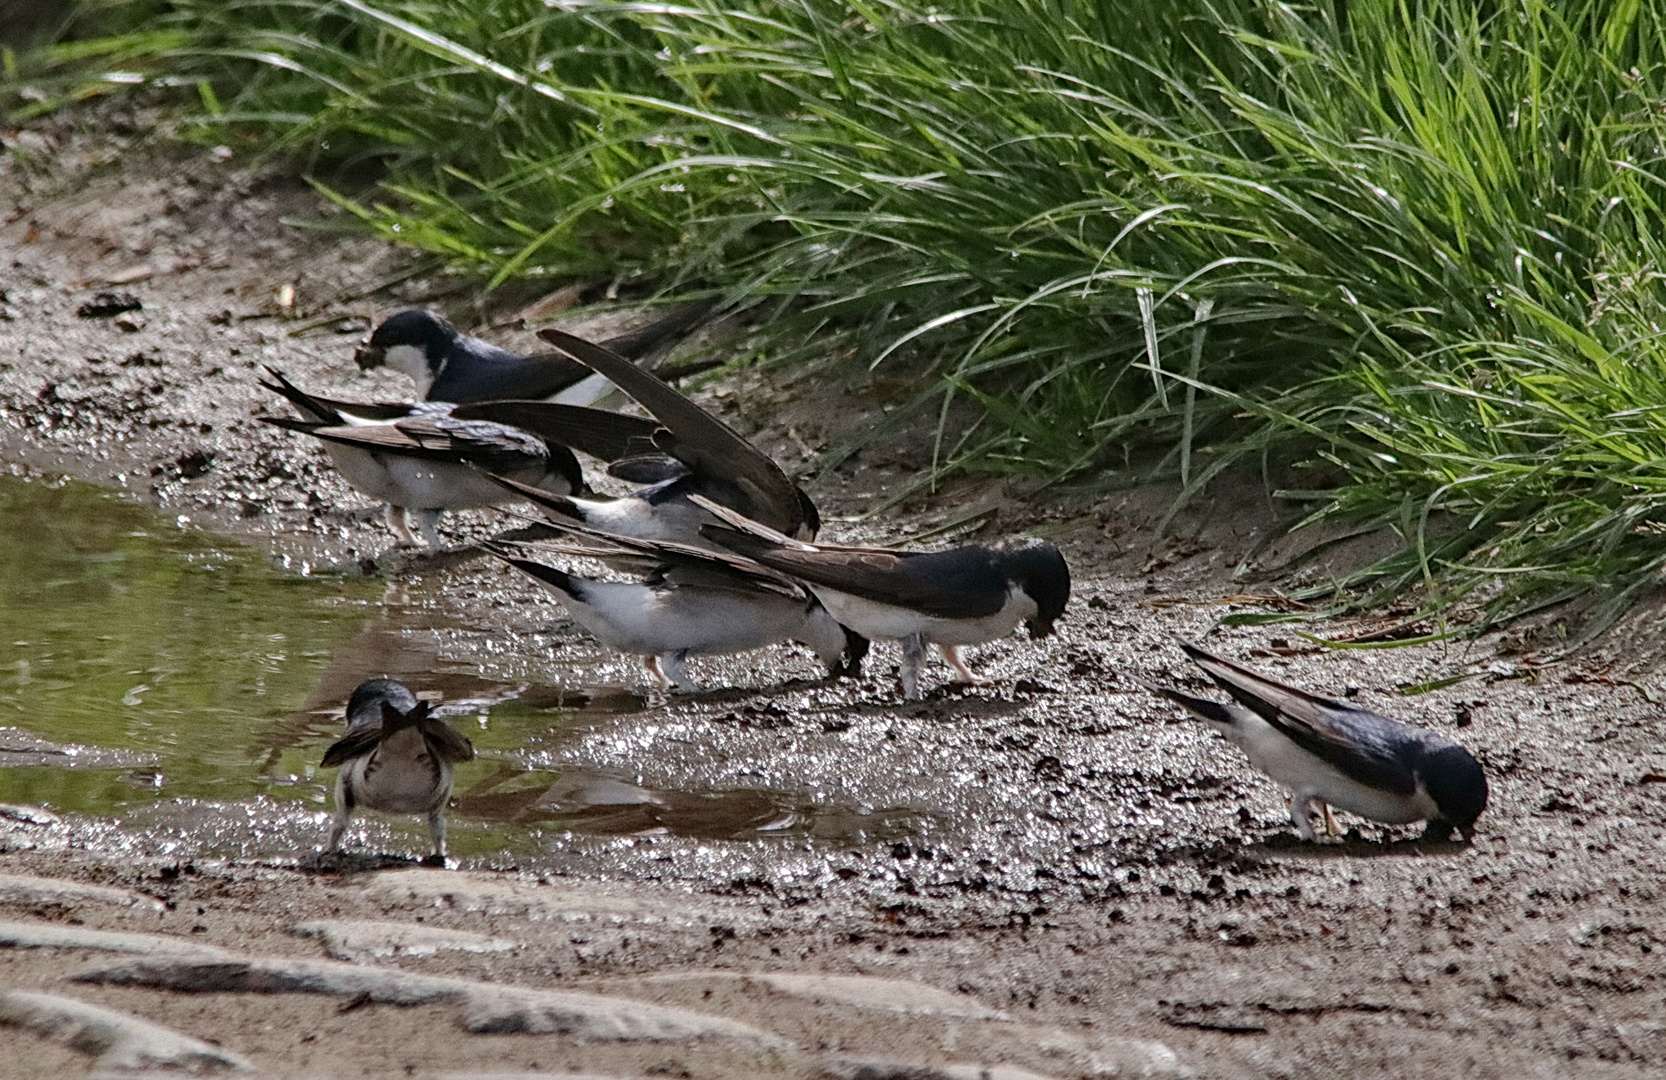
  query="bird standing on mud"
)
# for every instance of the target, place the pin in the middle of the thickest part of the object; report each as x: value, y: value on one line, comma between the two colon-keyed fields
x: 396, y: 757
x: 1329, y: 753
x: 449, y: 365
x: 967, y: 596
x: 426, y: 458
x: 693, y: 602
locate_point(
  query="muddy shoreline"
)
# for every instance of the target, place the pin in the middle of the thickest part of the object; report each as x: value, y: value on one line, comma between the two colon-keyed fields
x: 1058, y: 845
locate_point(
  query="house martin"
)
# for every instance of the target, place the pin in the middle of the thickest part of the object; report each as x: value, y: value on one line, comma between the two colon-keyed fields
x: 1333, y: 754
x: 698, y: 454
x: 428, y: 457
x: 396, y: 757
x: 692, y: 602
x: 966, y: 596
x: 449, y: 365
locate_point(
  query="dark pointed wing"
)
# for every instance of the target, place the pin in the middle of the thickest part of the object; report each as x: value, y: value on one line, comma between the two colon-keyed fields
x: 639, y: 343
x: 443, y: 741
x: 555, y: 504
x: 966, y: 583
x: 472, y: 439
x: 331, y: 410
x: 361, y: 742
x: 699, y: 440
x: 742, y: 523
x: 686, y: 564
x: 606, y: 435
x: 355, y: 744
x: 1362, y: 745
x: 380, y: 438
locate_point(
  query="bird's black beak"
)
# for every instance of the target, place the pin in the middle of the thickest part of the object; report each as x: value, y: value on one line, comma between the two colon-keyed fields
x: 369, y: 356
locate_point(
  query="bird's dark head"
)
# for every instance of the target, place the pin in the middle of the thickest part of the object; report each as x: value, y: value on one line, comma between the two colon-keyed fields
x: 1037, y: 567
x: 1455, y: 781
x: 413, y: 342
x: 365, y: 706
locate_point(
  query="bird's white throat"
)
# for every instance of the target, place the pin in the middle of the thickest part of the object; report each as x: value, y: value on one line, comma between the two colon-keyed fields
x: 412, y: 361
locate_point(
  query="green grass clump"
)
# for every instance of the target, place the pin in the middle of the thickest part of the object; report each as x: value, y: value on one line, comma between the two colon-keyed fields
x: 1420, y: 239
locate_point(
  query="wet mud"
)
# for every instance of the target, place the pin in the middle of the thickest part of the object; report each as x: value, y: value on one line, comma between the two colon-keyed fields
x: 1059, y: 843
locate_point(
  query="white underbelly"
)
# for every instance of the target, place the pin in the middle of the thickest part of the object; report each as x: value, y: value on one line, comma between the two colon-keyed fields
x: 1301, y: 771
x: 886, y: 622
x: 399, y: 776
x: 676, y: 520
x: 645, y: 621
x: 418, y: 484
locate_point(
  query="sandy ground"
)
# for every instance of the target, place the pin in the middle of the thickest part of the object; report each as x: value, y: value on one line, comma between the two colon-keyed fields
x: 1073, y: 853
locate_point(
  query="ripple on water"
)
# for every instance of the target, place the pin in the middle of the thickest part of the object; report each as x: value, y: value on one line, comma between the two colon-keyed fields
x: 187, y: 686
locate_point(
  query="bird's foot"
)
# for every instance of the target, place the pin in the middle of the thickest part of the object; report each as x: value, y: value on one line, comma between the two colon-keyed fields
x: 1439, y: 832
x: 913, y: 663
x: 1301, y: 816
x: 678, y: 674
x: 952, y: 657
x: 428, y: 522
x: 400, y: 528
x: 652, y: 664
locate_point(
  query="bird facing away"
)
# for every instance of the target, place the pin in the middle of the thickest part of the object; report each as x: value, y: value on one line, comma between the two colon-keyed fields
x: 697, y: 454
x: 449, y: 365
x: 425, y: 458
x: 1333, y: 754
x: 967, y: 596
x: 396, y: 757
x: 693, y: 602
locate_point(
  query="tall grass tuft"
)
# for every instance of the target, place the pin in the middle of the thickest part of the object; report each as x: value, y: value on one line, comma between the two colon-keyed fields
x: 1420, y: 240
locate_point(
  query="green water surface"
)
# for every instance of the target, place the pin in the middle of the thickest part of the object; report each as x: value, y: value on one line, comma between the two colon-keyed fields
x: 119, y: 629
x: 221, y: 678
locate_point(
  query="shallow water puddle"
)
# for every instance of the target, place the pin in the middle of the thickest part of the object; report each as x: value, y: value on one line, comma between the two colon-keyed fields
x: 182, y: 685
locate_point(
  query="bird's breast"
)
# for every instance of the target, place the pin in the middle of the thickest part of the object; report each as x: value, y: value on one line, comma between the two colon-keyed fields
x: 875, y: 619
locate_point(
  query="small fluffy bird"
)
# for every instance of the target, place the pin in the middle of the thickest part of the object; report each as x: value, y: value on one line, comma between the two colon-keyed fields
x: 396, y: 757
x: 429, y: 457
x: 1332, y: 754
x: 967, y: 596
x: 449, y: 365
x: 693, y: 602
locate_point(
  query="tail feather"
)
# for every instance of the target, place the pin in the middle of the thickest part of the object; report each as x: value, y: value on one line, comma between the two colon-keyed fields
x: 639, y: 343
x: 305, y: 427
x: 1203, y: 708
x: 1267, y: 697
x: 551, y: 576
x: 301, y: 399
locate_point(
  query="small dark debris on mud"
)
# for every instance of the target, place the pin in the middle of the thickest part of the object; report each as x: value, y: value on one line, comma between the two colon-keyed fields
x: 107, y: 305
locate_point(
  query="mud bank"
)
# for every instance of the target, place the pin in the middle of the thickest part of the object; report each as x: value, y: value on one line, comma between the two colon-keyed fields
x: 1068, y: 860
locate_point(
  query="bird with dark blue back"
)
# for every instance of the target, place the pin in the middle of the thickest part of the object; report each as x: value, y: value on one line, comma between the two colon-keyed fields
x: 449, y: 365
x: 966, y: 596
x: 1332, y: 754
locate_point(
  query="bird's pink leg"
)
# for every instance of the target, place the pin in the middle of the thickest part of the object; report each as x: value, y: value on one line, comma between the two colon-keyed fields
x: 952, y: 657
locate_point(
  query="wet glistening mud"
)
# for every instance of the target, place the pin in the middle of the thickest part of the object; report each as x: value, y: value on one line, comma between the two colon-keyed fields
x: 1059, y: 845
